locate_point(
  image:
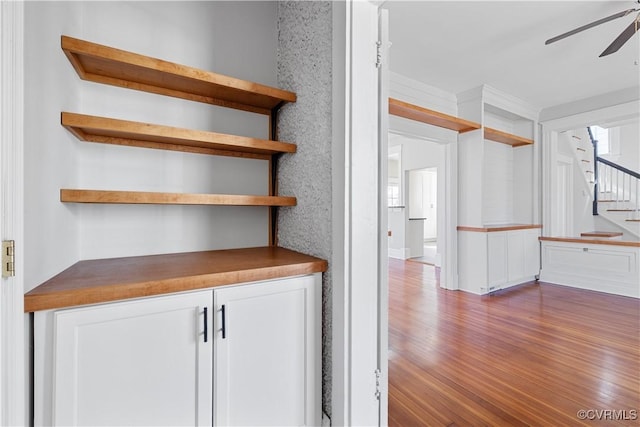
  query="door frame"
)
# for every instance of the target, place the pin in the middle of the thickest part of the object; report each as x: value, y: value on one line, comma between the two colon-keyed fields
x: 348, y: 323
x: 359, y: 322
x: 550, y: 130
x: 565, y: 226
x: 449, y: 173
x: 425, y: 171
x: 12, y: 318
x: 382, y: 381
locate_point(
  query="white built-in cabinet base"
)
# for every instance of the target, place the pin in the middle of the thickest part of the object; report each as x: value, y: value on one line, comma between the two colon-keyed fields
x: 162, y: 361
x: 489, y: 261
x: 602, y: 267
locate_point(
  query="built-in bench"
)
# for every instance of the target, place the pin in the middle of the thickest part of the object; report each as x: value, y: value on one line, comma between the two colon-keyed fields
x: 611, y: 266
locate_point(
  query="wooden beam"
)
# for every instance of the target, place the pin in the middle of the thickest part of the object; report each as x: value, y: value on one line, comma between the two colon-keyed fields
x: 505, y: 137
x: 431, y: 117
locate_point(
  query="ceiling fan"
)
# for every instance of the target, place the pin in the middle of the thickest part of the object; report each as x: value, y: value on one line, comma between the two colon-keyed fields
x: 618, y: 42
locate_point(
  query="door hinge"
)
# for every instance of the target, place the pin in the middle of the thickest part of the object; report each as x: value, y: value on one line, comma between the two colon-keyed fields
x: 378, y: 54
x: 378, y: 373
x: 8, y: 258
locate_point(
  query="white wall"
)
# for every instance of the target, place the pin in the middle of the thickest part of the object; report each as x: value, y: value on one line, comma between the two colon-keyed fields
x: 580, y: 216
x: 234, y: 38
x: 416, y: 154
x: 498, y: 175
x: 628, y: 152
x: 51, y: 230
x: 426, y: 96
x: 497, y: 182
x: 423, y: 193
x: 397, y: 225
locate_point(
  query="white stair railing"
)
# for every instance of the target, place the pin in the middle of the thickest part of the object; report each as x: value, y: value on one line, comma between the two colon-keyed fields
x: 620, y: 185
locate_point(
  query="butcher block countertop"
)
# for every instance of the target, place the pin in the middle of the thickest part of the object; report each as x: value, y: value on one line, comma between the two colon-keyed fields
x: 104, y: 280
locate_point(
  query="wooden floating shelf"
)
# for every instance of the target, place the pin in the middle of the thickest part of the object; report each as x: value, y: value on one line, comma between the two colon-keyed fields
x: 506, y: 138
x: 424, y: 115
x: 99, y: 281
x: 151, y: 198
x: 122, y: 132
x: 107, y: 65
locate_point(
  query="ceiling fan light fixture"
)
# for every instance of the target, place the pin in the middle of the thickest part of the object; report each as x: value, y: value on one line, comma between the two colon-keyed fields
x: 590, y: 25
x: 622, y: 38
x: 618, y: 42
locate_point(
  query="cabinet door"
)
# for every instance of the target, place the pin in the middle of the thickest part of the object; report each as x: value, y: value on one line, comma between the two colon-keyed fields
x: 516, y: 254
x: 268, y: 354
x: 532, y: 252
x: 497, y: 258
x: 142, y: 362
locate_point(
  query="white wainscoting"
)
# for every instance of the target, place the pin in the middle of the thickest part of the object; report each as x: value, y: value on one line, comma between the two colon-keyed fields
x: 609, y: 268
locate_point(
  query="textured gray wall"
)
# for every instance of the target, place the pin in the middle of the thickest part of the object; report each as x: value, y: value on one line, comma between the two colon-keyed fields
x: 304, y: 67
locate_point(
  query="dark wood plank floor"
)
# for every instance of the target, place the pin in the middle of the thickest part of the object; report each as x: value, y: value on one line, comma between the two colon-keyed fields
x: 534, y: 355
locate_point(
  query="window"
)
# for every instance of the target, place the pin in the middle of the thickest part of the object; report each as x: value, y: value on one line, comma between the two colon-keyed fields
x: 394, y: 175
x: 393, y: 194
x: 601, y: 135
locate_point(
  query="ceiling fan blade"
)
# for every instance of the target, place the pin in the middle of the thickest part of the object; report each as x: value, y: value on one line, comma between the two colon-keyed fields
x: 591, y: 25
x: 622, y: 38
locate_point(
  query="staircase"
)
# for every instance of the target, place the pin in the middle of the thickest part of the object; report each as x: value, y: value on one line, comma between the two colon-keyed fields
x: 584, y: 155
x: 616, y: 192
x: 606, y: 200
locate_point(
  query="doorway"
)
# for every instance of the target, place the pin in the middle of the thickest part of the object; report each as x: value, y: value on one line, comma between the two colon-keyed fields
x: 416, y: 201
x: 423, y: 211
x: 563, y: 219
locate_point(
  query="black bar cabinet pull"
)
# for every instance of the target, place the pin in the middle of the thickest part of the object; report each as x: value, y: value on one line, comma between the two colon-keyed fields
x: 206, y: 325
x: 224, y: 329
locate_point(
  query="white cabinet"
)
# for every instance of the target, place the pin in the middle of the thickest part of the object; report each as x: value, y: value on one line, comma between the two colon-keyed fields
x: 498, y: 195
x: 150, y: 361
x: 491, y: 259
x: 267, y: 365
x: 514, y: 256
x: 141, y: 362
x: 497, y: 270
x: 532, y: 255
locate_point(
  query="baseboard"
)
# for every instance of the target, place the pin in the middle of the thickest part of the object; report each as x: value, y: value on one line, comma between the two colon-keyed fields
x: 611, y: 269
x: 598, y: 284
x: 402, y: 253
x: 489, y: 289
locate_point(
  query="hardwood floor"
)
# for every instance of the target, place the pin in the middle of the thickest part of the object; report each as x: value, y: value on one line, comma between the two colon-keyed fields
x: 534, y: 355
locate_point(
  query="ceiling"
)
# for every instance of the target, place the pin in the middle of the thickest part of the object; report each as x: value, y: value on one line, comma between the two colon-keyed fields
x: 456, y: 45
